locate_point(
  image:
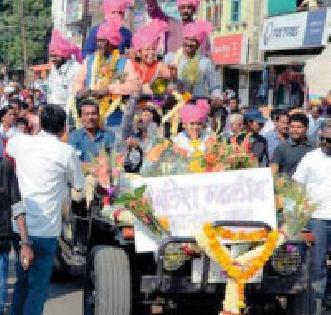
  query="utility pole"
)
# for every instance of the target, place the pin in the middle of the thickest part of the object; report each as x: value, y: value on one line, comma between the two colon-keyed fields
x: 23, y: 38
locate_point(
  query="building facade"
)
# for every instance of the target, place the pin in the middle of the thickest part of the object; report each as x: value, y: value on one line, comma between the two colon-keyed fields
x: 235, y: 43
x: 287, y: 42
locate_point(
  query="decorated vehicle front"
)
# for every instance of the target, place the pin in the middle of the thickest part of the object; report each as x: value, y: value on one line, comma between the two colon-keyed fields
x: 210, y: 219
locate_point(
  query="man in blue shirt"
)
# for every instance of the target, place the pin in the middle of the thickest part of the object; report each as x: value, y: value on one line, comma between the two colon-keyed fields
x: 90, y: 139
x: 111, y: 8
x: 279, y: 134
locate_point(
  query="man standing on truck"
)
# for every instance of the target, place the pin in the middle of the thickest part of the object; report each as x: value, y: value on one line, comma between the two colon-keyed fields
x: 64, y: 70
x: 195, y: 72
x: 173, y: 39
x: 111, y: 9
x: 44, y: 167
x: 99, y: 74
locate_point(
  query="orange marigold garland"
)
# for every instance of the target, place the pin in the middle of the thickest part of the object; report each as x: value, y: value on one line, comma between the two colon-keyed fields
x: 241, y: 269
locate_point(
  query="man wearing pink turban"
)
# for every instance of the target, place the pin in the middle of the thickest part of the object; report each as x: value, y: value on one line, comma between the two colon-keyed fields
x: 65, y: 56
x: 194, y: 118
x: 111, y: 9
x: 195, y: 72
x: 99, y: 76
x: 102, y: 67
x: 145, y: 43
x: 173, y: 39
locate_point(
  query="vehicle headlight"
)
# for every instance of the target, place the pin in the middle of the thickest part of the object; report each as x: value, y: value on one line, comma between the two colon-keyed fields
x: 286, y: 260
x: 174, y: 257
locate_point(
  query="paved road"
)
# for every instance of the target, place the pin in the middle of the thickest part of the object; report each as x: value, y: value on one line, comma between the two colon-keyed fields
x: 65, y: 299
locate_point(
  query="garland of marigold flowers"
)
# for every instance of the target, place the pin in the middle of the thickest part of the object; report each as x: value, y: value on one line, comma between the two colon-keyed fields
x: 239, y: 270
x: 103, y: 72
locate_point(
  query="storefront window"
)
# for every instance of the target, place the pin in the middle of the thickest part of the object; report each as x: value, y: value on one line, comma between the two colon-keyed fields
x: 235, y: 11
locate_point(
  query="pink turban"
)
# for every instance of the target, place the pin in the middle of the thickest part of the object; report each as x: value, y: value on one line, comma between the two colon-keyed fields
x: 111, y: 31
x: 148, y: 36
x: 194, y: 3
x: 198, y: 30
x: 62, y: 47
x: 110, y: 6
x: 195, y: 113
x: 77, y: 52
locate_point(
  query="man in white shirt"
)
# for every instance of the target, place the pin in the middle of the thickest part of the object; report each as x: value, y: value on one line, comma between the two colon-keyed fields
x: 45, y: 166
x: 313, y: 174
x: 63, y: 72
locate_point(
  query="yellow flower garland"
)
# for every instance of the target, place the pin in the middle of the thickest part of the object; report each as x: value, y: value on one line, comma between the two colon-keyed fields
x: 102, y: 74
x: 104, y: 70
x: 241, y: 269
x: 173, y: 115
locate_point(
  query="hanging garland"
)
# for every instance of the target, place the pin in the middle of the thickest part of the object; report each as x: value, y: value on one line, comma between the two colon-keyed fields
x: 241, y: 269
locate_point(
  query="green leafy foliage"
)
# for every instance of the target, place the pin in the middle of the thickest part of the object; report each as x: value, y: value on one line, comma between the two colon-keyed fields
x: 38, y: 25
x: 141, y: 208
x: 139, y: 192
x: 124, y: 199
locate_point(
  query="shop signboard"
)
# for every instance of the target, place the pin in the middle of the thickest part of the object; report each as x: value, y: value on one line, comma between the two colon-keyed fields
x: 294, y: 31
x: 283, y: 32
x: 315, y: 30
x: 229, y: 50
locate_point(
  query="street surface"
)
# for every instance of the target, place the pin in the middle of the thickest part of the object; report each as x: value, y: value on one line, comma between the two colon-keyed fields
x: 62, y: 297
x: 66, y: 298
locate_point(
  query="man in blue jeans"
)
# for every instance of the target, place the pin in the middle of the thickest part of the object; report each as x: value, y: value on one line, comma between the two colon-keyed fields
x: 314, y: 173
x: 45, y: 166
x: 10, y: 199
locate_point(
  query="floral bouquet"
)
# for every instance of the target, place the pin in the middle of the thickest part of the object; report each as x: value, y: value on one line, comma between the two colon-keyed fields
x: 220, y: 156
x: 141, y: 208
x: 296, y: 209
x: 165, y: 158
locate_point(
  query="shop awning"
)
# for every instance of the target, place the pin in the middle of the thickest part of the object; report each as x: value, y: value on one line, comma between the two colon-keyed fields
x: 288, y: 60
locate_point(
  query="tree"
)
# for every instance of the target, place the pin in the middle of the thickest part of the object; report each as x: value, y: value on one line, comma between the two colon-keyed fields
x: 38, y: 24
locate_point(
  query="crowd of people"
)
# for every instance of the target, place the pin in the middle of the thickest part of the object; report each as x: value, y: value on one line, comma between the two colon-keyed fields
x: 107, y: 97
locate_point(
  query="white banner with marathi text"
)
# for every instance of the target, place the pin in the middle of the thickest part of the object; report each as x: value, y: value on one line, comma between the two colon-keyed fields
x: 189, y: 201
